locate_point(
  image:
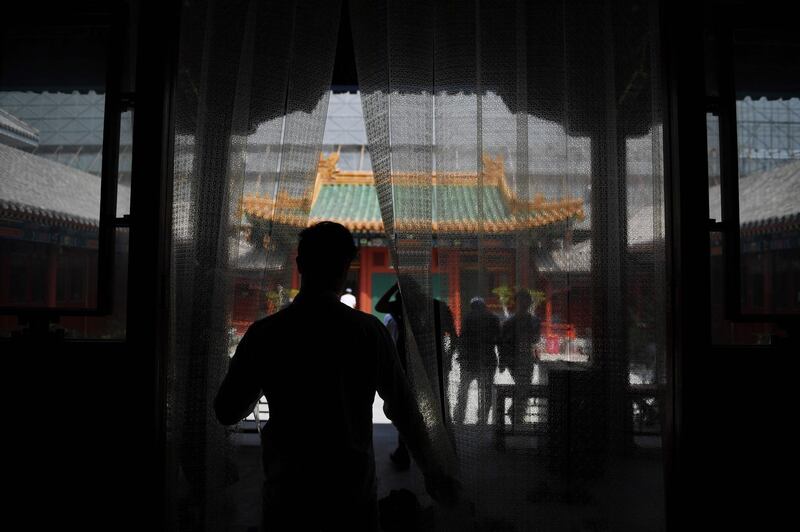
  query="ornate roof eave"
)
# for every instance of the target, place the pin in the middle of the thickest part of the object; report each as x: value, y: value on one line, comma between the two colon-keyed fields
x: 440, y: 227
x: 526, y: 214
x: 28, y: 213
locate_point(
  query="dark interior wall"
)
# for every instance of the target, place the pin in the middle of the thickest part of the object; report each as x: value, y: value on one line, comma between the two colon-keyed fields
x: 76, y: 441
x: 82, y: 419
x: 730, y: 405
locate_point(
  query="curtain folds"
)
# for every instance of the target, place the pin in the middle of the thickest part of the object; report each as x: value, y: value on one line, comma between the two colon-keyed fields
x: 250, y: 106
x: 557, y: 105
x: 517, y: 155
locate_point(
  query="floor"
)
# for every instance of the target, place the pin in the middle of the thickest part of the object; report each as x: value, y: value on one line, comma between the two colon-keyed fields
x: 510, y: 489
x: 248, y: 461
x: 513, y: 489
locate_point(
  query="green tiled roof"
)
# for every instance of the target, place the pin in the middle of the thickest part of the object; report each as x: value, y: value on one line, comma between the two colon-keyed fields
x: 463, y: 203
x: 343, y: 202
x: 449, y: 203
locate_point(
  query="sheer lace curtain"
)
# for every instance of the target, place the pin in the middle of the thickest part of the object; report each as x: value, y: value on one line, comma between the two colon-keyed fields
x: 516, y: 147
x: 556, y: 104
x: 250, y: 107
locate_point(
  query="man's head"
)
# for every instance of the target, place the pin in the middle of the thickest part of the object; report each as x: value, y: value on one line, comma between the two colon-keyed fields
x: 477, y: 303
x: 324, y: 254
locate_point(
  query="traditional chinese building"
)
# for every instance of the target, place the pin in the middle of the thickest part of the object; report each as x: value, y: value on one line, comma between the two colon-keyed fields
x: 769, y: 218
x: 49, y: 223
x: 349, y: 197
x: 561, y: 264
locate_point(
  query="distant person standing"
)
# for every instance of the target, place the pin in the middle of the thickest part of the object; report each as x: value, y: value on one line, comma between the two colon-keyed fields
x: 480, y: 333
x: 431, y: 322
x: 394, y: 322
x: 520, y: 333
x: 391, y: 304
x: 390, y: 323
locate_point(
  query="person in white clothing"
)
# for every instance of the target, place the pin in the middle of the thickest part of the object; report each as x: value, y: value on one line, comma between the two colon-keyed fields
x: 348, y: 298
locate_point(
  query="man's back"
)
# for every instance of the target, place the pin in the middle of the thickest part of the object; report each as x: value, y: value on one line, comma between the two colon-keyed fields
x: 319, y: 364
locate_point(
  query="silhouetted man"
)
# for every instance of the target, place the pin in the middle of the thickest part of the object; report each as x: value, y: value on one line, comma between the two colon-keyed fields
x: 319, y: 364
x: 480, y: 333
x: 520, y: 334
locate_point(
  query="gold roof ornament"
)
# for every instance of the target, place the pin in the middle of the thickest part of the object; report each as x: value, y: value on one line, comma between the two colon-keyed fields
x: 327, y: 168
x: 521, y: 214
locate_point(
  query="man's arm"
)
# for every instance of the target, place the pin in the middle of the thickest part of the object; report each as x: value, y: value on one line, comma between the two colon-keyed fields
x: 383, y: 304
x: 240, y: 391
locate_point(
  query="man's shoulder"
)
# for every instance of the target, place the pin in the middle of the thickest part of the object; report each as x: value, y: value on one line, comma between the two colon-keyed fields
x: 370, y: 324
x: 344, y: 316
x: 363, y: 318
x: 269, y: 322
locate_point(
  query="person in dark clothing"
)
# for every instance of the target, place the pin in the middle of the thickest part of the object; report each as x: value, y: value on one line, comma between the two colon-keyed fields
x: 520, y: 333
x: 319, y: 355
x: 431, y: 321
x: 480, y: 333
x: 394, y: 308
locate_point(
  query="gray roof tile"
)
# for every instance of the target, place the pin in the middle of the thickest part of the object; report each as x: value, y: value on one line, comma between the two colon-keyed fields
x: 766, y: 196
x: 42, y: 188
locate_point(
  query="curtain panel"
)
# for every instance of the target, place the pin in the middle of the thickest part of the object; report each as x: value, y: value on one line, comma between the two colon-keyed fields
x: 517, y: 155
x: 250, y: 107
x: 557, y: 104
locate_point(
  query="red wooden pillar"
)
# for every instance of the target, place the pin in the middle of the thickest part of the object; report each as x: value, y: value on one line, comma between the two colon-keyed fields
x: 364, y: 280
x: 454, y: 286
x: 5, y: 277
x: 548, y: 309
x: 52, y: 275
x: 766, y: 279
x: 6, y: 322
x: 523, y: 263
x: 87, y: 282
